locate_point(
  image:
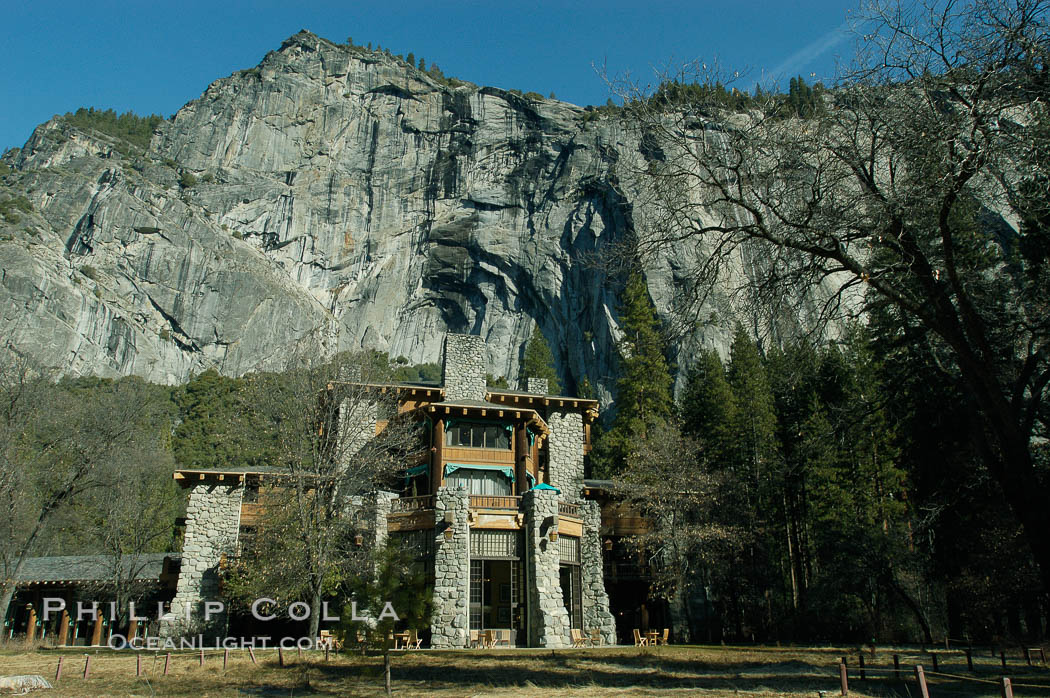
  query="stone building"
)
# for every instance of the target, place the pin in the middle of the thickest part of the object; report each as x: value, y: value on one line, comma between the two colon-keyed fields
x: 496, y: 511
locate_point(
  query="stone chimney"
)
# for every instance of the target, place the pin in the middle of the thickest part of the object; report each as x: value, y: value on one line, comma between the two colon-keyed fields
x: 536, y: 386
x: 463, y: 373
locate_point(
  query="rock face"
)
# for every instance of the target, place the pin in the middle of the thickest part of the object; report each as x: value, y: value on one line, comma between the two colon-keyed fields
x: 342, y: 199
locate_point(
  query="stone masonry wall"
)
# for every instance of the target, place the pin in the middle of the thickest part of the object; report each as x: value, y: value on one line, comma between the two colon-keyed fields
x: 464, y: 368
x: 566, y: 453
x: 213, y: 516
x: 357, y: 423
x: 537, y: 386
x: 450, y: 617
x: 595, y: 599
x: 548, y: 619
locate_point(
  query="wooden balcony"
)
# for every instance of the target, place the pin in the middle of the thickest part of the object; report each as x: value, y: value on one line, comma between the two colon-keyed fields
x: 484, y: 501
x: 410, y: 504
x: 566, y: 509
x: 485, y: 456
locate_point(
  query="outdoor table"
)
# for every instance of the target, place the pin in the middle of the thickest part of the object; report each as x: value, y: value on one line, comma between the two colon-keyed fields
x: 653, y: 636
x: 400, y: 640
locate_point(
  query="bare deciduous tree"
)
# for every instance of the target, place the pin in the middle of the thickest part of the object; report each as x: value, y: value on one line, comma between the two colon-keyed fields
x: 324, y: 419
x: 56, y: 444
x: 918, y: 186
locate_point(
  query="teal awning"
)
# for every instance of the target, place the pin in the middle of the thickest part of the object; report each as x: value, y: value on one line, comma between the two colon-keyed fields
x: 545, y: 486
x: 506, y: 471
x: 530, y: 478
x: 418, y: 470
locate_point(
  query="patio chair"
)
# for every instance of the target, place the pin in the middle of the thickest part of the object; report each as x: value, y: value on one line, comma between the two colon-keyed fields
x: 487, y: 641
x: 577, y: 637
x: 501, y: 637
x: 414, y: 641
x: 475, y: 638
x: 639, y: 639
x: 665, y: 639
x: 596, y: 637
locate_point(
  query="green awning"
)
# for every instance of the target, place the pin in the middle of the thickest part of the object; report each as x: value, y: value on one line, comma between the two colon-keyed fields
x: 417, y: 471
x: 545, y: 486
x: 506, y: 471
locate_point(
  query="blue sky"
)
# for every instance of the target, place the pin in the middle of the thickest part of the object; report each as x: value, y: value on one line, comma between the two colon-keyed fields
x: 153, y: 57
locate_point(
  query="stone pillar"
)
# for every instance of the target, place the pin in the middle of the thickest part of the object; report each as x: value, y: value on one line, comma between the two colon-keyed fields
x: 357, y: 425
x: 379, y: 509
x: 537, y: 386
x: 548, y: 618
x: 463, y: 373
x: 213, y: 516
x: 450, y: 618
x: 592, y: 573
x: 565, y: 449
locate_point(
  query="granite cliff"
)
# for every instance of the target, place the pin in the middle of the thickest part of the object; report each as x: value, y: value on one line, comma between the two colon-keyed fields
x: 330, y: 198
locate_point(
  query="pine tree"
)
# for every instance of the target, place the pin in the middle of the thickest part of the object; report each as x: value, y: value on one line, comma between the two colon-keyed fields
x: 644, y: 385
x: 422, y: 63
x: 411, y: 59
x: 708, y: 408
x: 538, y: 362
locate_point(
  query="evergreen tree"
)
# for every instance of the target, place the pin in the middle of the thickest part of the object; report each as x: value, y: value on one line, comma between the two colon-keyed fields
x: 644, y: 385
x: 422, y: 63
x: 708, y: 408
x: 756, y: 447
x: 538, y: 362
x: 411, y: 59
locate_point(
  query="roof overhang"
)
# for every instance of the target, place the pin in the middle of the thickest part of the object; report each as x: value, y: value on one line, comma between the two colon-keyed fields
x: 448, y: 409
x: 589, y: 408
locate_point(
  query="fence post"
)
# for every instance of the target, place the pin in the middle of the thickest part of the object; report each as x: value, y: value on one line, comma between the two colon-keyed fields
x: 1027, y: 655
x: 202, y: 656
x: 897, y: 667
x: 138, y: 664
x: 58, y: 671
x: 1006, y: 688
x: 1002, y: 658
x: 933, y: 659
x: 326, y: 653
x: 225, y: 658
x: 280, y: 655
x: 920, y: 676
x: 251, y: 653
x: 843, y: 679
x: 947, y: 644
x: 969, y: 660
x: 167, y: 662
x: 1042, y: 656
x: 87, y: 665
x: 863, y: 676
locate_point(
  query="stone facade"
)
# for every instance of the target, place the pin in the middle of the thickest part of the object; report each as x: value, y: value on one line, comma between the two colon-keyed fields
x: 213, y: 516
x: 464, y: 368
x: 566, y: 453
x: 537, y: 386
x: 357, y: 422
x: 548, y: 618
x: 450, y: 616
x: 595, y: 599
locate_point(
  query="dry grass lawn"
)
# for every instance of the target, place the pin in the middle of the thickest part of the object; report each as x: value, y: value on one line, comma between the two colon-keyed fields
x: 586, y: 673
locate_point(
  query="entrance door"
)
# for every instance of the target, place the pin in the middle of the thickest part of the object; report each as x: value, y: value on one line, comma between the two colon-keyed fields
x: 495, y: 597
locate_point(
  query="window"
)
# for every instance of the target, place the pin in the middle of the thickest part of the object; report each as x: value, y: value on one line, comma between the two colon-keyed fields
x: 477, y: 435
x: 476, y: 481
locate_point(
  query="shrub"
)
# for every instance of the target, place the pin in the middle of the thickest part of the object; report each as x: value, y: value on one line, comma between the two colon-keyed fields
x: 187, y: 180
x: 9, y: 208
x: 90, y: 272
